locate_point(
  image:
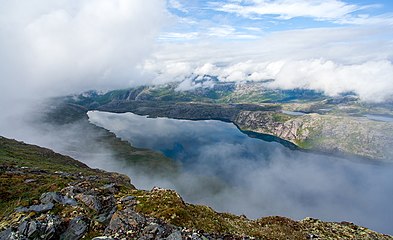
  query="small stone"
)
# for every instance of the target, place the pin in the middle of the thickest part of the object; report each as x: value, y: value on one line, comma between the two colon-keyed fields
x: 36, y: 208
x: 71, y: 191
x: 51, y: 197
x: 103, y: 238
x: 111, y: 185
x: 176, y: 235
x: 153, y: 228
x: 127, y: 198
x: 30, y: 180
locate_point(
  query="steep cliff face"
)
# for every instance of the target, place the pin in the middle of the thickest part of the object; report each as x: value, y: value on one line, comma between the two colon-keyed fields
x: 328, y: 133
x: 46, y: 195
x: 273, y: 123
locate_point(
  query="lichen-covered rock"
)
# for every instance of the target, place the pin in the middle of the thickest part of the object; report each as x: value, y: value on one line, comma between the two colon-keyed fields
x: 8, y: 234
x: 56, y: 197
x: 76, y: 229
x: 90, y: 201
x: 125, y: 222
x: 72, y: 191
x: 46, y: 228
x: 36, y: 208
x: 176, y: 235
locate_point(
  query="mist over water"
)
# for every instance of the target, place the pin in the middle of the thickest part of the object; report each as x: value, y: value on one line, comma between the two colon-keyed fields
x: 231, y: 172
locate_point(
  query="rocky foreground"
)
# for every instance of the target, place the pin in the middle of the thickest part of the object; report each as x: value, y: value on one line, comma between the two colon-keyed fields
x: 45, y: 195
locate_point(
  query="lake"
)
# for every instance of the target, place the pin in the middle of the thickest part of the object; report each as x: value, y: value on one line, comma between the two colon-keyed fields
x: 229, y: 171
x: 293, y: 113
x: 381, y: 118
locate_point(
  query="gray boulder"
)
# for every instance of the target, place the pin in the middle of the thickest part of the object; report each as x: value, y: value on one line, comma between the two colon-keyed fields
x: 56, y: 197
x: 90, y: 201
x: 36, y: 208
x: 76, y: 229
x: 47, y: 228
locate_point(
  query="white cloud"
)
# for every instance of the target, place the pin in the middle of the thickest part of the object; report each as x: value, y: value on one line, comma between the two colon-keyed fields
x: 178, y: 6
x: 365, y: 19
x: 288, y: 9
x: 58, y: 47
x: 188, y: 84
x: 207, y: 69
x: 372, y: 80
x: 332, y: 60
x: 177, y: 36
x: 228, y: 32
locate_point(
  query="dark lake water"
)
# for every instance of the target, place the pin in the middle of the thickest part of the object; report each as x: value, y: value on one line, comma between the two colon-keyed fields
x: 224, y: 168
x: 381, y: 118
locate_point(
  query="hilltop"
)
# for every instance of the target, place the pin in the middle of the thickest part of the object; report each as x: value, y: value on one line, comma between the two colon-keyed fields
x: 46, y: 195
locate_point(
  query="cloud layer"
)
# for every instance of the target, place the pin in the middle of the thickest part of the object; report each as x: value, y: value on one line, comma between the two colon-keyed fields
x: 59, y: 47
x: 234, y: 173
x: 287, y: 9
x: 331, y: 60
x: 334, y: 11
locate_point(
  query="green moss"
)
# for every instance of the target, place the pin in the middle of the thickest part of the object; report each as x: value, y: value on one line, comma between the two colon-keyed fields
x: 14, y: 191
x: 280, y: 117
x: 27, y: 171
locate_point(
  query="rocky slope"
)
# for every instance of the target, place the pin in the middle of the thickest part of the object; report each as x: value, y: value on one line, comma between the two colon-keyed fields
x: 326, y: 133
x: 46, y: 195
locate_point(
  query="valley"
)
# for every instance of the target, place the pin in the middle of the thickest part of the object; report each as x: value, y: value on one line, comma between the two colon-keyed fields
x: 336, y: 125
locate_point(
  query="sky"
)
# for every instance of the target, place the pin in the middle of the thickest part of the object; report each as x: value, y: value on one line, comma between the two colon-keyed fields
x: 330, y: 46
x: 253, y: 19
x: 50, y: 48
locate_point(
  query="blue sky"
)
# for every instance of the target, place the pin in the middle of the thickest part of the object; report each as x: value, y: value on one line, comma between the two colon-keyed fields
x: 252, y: 19
x: 68, y: 46
x: 333, y: 46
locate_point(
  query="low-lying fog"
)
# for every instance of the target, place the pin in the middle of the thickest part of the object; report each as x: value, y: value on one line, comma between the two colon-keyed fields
x: 229, y: 171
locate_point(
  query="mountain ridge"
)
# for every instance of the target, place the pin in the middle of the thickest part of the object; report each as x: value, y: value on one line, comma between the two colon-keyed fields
x: 322, y: 124
x: 74, y: 201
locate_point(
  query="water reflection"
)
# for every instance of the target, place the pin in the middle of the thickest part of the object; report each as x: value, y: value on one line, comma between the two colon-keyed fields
x: 194, y: 143
x: 381, y: 118
x: 293, y: 113
x: 257, y: 178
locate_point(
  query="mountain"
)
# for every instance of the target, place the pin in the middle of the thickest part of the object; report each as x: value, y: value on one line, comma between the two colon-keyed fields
x: 341, y: 125
x: 46, y: 195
